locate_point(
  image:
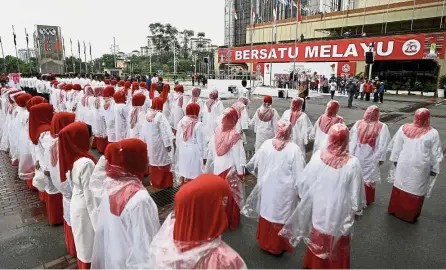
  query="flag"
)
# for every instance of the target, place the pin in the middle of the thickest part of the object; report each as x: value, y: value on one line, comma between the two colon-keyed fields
x: 63, y: 44
x: 85, y: 50
x: 14, y: 35
x: 57, y: 44
x: 45, y: 45
x: 296, y: 4
x: 27, y: 38
x: 89, y: 43
x: 78, y: 47
x: 235, y: 15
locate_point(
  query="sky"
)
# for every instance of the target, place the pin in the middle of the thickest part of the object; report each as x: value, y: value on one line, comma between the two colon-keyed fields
x: 98, y: 21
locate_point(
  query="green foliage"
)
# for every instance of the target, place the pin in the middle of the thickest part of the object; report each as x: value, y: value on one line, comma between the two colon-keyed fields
x: 10, y: 63
x: 442, y: 82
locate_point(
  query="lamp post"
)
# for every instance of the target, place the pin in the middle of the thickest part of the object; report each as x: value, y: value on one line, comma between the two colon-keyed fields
x: 150, y: 47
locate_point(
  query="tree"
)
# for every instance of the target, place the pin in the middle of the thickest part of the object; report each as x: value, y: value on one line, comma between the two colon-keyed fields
x: 185, y: 40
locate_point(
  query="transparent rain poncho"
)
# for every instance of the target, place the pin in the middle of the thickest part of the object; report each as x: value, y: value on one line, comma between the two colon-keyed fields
x: 324, y: 123
x: 300, y: 121
x: 331, y: 192
x: 264, y: 122
x: 277, y: 165
x: 416, y: 150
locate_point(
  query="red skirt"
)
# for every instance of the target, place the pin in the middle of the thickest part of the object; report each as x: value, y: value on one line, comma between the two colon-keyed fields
x: 29, y: 184
x: 369, y: 194
x: 101, y: 144
x: 42, y: 196
x: 83, y: 265
x: 405, y: 206
x: 54, y: 208
x: 232, y: 208
x: 269, y: 239
x: 69, y: 239
x: 340, y: 252
x: 160, y: 176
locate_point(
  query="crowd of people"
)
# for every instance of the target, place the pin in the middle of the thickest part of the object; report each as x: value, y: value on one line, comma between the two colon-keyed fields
x: 110, y: 219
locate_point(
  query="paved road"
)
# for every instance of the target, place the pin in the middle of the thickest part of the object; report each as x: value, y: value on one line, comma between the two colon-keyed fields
x: 380, y: 240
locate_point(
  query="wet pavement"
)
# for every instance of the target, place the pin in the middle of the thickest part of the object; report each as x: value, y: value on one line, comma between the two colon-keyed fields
x: 379, y: 241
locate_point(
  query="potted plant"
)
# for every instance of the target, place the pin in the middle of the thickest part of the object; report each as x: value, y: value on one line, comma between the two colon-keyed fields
x: 428, y: 89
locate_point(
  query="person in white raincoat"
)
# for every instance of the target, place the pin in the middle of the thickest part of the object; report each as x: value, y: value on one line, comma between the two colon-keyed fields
x: 127, y: 216
x: 324, y: 123
x: 212, y: 110
x: 226, y: 158
x: 176, y: 112
x: 191, y: 146
x: 108, y: 113
x: 369, y: 140
x: 416, y: 152
x: 300, y: 122
x: 278, y: 165
x: 14, y: 129
x: 264, y: 122
x: 243, y: 121
x: 158, y: 135
x: 76, y: 166
x: 137, y: 115
x: 99, y: 126
x: 332, y: 197
x: 121, y: 113
x: 26, y: 163
x: 195, y: 98
x: 190, y: 238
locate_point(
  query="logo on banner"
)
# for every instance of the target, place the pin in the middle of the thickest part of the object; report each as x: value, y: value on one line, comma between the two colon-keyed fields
x: 47, y: 31
x: 411, y: 47
x: 346, y: 68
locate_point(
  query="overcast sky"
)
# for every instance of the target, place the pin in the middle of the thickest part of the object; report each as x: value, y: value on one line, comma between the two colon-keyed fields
x: 98, y: 21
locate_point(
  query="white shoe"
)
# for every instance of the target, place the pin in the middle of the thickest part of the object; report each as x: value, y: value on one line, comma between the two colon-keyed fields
x: 379, y: 102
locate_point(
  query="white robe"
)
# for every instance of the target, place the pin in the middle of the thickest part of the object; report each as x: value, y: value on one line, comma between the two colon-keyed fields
x: 40, y: 180
x: 368, y: 156
x: 135, y: 132
x: 176, y: 112
x: 416, y: 159
x: 202, y: 105
x: 319, y: 136
x: 190, y: 153
x: 264, y: 130
x: 210, y: 118
x: 109, y: 117
x: 123, y: 242
x: 276, y: 194
x: 158, y: 136
x: 121, y: 112
x: 26, y: 149
x: 234, y: 158
x: 82, y: 209
x: 301, y: 130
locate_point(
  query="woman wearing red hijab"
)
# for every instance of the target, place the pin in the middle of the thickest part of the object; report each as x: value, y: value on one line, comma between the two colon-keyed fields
x: 26, y: 163
x: 273, y: 199
x: 324, y: 123
x: 13, y: 128
x: 191, y: 145
x: 264, y: 122
x: 167, y: 103
x: 76, y: 166
x: 18, y: 126
x: 227, y: 155
x: 121, y: 114
x: 300, y: 122
x: 211, y: 111
x: 40, y: 117
x: 128, y: 216
x: 62, y: 189
x: 416, y: 153
x: 99, y: 126
x: 107, y: 113
x: 369, y: 140
x: 137, y: 115
x: 190, y: 238
x: 332, y: 197
x: 153, y: 93
x: 157, y: 133
x: 177, y: 112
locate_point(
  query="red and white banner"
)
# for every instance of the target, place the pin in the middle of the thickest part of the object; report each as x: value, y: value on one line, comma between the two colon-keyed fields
x: 346, y: 68
x: 407, y: 47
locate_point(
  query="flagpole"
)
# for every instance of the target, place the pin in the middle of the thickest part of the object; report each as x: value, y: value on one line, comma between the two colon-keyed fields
x: 72, y: 57
x: 15, y: 45
x: 64, y: 56
x: 272, y: 40
x: 413, y: 15
x: 252, y: 40
x: 442, y: 13
x: 80, y: 58
x: 295, y: 43
x: 387, y: 13
x: 3, y: 54
x: 228, y: 55
x: 363, y: 19
x: 29, y: 55
x: 85, y: 58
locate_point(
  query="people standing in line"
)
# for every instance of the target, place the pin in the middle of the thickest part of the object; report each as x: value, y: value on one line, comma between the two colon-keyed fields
x: 331, y: 192
x: 351, y: 89
x: 76, y: 166
x: 127, y: 217
x: 264, y: 122
x: 369, y: 139
x: 416, y: 153
x: 276, y: 193
x: 333, y: 88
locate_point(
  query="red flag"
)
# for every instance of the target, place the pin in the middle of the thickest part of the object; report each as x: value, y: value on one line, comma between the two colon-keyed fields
x: 296, y: 4
x: 45, y: 45
x: 57, y: 45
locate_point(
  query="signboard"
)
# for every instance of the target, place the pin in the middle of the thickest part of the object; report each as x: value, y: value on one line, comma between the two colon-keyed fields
x: 160, y: 72
x: 406, y: 47
x: 346, y: 68
x: 48, y: 43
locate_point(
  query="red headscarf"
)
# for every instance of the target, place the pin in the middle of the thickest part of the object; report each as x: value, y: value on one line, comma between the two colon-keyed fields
x: 420, y: 126
x: 240, y: 105
x: 121, y: 83
x: 266, y: 112
x: 74, y: 143
x: 34, y: 101
x: 153, y: 88
x: 283, y: 135
x: 143, y: 85
x: 98, y: 92
x: 335, y: 155
x: 330, y: 117
x: 40, y: 116
x: 137, y: 101
x: 226, y: 136
x: 188, y: 123
x: 88, y: 93
x: 61, y: 120
x: 68, y: 87
x: 157, y: 106
x: 135, y: 86
x: 22, y: 99
x: 109, y: 91
x: 114, y: 82
x: 127, y: 85
x: 179, y: 97
x: 77, y: 87
x: 213, y: 96
x: 165, y: 93
x: 195, y: 94
x: 369, y: 127
x: 200, y: 211
x: 119, y: 97
x: 296, y: 110
x: 107, y: 82
x: 126, y: 161
x: 179, y: 88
